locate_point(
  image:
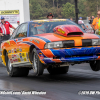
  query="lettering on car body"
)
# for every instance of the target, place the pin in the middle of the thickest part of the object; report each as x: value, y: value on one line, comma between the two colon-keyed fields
x: 61, y: 31
x: 35, y: 40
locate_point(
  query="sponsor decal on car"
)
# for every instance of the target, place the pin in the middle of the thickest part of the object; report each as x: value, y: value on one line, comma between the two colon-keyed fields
x: 19, y: 60
x: 22, y: 59
x: 25, y: 59
x: 9, y: 51
x: 61, y: 31
x: 41, y: 56
x: 20, y: 49
x: 15, y: 50
x: 11, y: 60
x: 12, y: 56
x: 15, y: 56
x: 12, y: 50
x: 15, y: 60
x: 35, y: 40
x: 23, y: 55
x: 37, y: 25
x: 20, y: 55
x: 41, y: 21
x: 8, y: 42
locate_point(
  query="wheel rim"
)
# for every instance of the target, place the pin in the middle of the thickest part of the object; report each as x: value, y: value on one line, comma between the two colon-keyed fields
x: 35, y: 62
x: 9, y: 65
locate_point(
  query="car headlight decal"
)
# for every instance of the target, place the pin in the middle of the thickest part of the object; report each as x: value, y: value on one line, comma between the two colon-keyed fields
x: 90, y: 42
x: 95, y: 42
x: 68, y: 43
x: 86, y: 42
x: 58, y: 44
x: 71, y: 43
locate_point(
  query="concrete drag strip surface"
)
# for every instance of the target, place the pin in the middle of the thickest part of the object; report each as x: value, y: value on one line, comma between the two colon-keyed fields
x: 58, y: 87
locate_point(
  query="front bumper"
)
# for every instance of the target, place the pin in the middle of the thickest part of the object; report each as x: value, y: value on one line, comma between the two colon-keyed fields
x: 69, y: 55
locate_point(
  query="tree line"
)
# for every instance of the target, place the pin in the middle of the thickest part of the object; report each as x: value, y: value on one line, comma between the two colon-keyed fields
x: 62, y: 8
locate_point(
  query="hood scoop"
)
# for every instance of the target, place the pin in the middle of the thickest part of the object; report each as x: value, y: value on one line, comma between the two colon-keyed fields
x: 68, y: 30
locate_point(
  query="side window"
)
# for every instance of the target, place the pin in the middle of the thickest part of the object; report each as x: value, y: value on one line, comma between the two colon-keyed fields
x: 32, y: 29
x: 22, y: 31
x: 14, y: 32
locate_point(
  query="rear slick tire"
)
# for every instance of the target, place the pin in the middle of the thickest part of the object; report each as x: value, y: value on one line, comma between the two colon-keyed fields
x: 15, y: 71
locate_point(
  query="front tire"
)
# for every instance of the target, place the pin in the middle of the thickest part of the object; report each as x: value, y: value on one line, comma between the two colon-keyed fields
x: 15, y: 71
x: 38, y: 67
x: 95, y: 65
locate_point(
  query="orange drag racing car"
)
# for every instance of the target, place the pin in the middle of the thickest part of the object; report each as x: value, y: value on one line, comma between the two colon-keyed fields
x: 53, y: 44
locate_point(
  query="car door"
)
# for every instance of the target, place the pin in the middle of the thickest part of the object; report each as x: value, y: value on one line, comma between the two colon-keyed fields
x: 20, y: 39
x: 11, y: 47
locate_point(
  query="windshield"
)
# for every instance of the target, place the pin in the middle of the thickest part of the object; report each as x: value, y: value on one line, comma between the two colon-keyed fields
x: 83, y: 26
x: 47, y: 27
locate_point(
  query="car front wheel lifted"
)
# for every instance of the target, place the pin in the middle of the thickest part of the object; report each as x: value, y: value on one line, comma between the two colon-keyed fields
x: 95, y: 65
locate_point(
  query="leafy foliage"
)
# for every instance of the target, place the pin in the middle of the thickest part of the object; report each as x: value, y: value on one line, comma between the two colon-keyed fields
x: 62, y: 8
x: 68, y: 10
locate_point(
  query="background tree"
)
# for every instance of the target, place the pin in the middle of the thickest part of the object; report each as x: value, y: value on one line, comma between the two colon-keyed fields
x: 68, y: 10
x: 82, y: 8
x: 35, y: 9
x: 62, y: 8
x: 93, y: 6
